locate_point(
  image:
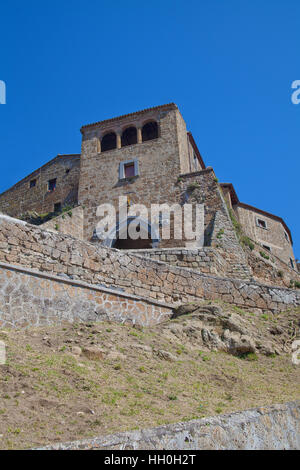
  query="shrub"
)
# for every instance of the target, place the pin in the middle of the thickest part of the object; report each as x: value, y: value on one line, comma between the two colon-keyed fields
x: 294, y: 284
x: 193, y: 185
x: 172, y: 397
x: 244, y: 240
x: 249, y: 356
x: 263, y: 255
x: 247, y: 242
x: 220, y: 233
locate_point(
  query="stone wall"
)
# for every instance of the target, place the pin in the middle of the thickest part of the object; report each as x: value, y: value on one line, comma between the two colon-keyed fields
x: 205, y: 260
x: 273, y: 270
x: 69, y: 223
x: 21, y: 198
x: 274, y: 427
x: 213, y: 261
x: 202, y: 188
x: 56, y: 253
x: 28, y: 297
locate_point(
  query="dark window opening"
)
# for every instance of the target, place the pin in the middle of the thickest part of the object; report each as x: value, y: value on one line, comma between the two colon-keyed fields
x: 129, y: 170
x: 195, y: 161
x: 286, y: 237
x: 52, y: 184
x: 109, y: 142
x: 67, y: 171
x: 266, y: 247
x: 261, y: 223
x: 150, y: 131
x: 32, y: 183
x: 292, y: 263
x: 57, y: 207
x: 129, y: 136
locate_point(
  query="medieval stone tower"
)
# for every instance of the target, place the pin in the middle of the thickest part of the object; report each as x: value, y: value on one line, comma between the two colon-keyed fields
x: 139, y: 155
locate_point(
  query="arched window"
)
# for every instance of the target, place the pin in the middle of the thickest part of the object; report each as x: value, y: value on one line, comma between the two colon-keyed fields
x: 129, y: 136
x: 150, y: 131
x: 109, y: 142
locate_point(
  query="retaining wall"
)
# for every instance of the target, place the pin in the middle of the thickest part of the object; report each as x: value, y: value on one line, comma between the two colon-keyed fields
x: 275, y: 427
x: 32, y: 298
x: 55, y: 253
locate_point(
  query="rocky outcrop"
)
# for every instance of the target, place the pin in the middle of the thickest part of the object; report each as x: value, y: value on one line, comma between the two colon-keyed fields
x: 233, y: 331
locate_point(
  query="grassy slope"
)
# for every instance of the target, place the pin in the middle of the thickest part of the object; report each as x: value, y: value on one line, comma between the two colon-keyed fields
x: 49, y: 395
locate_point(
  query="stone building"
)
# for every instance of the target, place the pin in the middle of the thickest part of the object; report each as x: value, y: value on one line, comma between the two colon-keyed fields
x: 148, y: 157
x: 47, y: 189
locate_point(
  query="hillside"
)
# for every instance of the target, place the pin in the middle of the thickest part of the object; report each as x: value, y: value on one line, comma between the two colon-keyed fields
x: 72, y: 381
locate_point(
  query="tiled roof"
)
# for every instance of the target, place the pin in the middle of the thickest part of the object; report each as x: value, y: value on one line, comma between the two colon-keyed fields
x: 163, y: 106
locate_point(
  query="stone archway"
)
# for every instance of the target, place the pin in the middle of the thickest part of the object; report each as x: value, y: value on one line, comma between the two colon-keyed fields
x: 119, y: 238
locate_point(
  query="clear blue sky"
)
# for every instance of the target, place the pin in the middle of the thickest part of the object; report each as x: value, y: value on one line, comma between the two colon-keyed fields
x: 228, y: 65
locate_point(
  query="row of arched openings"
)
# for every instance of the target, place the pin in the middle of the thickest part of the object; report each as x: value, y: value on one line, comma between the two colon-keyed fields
x: 129, y: 136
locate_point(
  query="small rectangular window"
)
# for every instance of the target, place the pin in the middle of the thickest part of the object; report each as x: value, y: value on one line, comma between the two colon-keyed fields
x: 57, y: 207
x: 266, y: 247
x: 52, y: 184
x: 32, y: 183
x: 129, y: 169
x: 261, y: 223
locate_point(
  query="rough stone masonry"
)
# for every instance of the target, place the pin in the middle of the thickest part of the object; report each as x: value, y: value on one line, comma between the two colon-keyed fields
x: 73, y: 260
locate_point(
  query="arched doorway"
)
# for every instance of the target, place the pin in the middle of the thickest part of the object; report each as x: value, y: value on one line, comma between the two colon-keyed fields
x: 120, y: 237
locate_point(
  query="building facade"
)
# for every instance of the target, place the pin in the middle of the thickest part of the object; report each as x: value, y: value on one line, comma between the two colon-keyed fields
x: 147, y: 157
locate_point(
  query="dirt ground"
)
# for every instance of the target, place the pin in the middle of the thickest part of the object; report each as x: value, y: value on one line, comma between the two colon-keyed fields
x: 74, y: 381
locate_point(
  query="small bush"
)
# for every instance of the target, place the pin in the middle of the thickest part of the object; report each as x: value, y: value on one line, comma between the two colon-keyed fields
x: 294, y: 284
x: 249, y: 356
x: 172, y: 397
x: 205, y: 358
x: 220, y: 233
x: 247, y: 242
x: 264, y: 255
x: 193, y: 185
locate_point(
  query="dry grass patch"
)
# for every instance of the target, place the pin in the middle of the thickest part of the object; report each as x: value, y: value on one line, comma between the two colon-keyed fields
x: 49, y: 394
